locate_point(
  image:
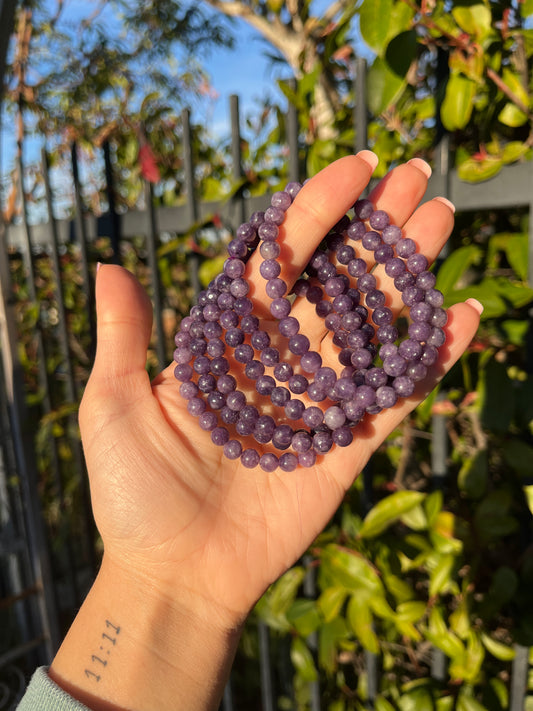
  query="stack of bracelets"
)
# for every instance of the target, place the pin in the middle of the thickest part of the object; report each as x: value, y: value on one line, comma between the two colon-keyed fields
x: 376, y: 367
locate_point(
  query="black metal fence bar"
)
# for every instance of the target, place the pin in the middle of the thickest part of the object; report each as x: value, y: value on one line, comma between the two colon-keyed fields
x: 360, y: 108
x: 81, y: 238
x: 115, y: 226
x: 42, y: 605
x: 71, y: 389
x: 293, y: 129
x: 192, y: 207
x: 236, y: 155
x: 151, y: 248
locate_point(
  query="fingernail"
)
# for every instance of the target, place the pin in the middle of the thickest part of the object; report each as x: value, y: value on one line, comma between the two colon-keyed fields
x: 369, y: 157
x: 98, y: 265
x: 446, y: 202
x: 475, y: 304
x: 421, y: 165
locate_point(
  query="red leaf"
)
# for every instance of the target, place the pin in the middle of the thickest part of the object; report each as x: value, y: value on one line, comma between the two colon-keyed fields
x: 149, y: 169
x: 343, y: 54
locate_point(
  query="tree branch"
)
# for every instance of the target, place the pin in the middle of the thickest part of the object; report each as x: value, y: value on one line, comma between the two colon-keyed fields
x: 273, y: 30
x: 502, y: 86
x: 334, y: 8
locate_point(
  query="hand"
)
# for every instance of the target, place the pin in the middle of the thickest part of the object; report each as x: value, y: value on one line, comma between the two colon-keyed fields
x: 195, y: 528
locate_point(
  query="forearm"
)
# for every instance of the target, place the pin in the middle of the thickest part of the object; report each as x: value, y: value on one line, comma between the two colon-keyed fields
x: 131, y: 647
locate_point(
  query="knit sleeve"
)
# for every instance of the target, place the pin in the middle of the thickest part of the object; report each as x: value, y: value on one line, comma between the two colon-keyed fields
x: 43, y: 694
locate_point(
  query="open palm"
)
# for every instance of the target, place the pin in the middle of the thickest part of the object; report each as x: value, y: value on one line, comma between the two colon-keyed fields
x: 166, y: 501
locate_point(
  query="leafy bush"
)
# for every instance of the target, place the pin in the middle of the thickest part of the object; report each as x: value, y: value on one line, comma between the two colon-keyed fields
x: 434, y: 579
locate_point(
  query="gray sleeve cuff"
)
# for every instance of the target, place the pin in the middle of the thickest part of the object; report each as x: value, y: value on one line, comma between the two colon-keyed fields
x: 43, y: 694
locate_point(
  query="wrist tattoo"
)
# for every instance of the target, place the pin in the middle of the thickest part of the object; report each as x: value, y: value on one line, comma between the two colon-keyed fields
x: 99, y: 661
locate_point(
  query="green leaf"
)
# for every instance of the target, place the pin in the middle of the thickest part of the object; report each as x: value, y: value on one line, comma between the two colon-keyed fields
x: 307, y: 84
x: 458, y: 103
x: 349, y: 569
x: 473, y: 475
x: 471, y: 666
x: 381, y: 704
x: 497, y: 397
x: 513, y: 151
x: 374, y: 22
x: 524, y: 404
x: 291, y: 95
x: 276, y: 602
x: 515, y: 247
x: 511, y: 116
x: 401, y: 51
x: 445, y: 703
x: 460, y: 620
x: 501, y: 692
x: 303, y: 616
x: 526, y: 8
x: 492, y: 519
x: 360, y: 619
x: 338, y: 705
x: 388, y: 511
x: 331, y: 601
x: 519, y: 456
x: 433, y: 506
x: 411, y: 611
x: 517, y: 294
x: 209, y: 269
x: 284, y: 590
x: 470, y: 65
x: 474, y: 19
x: 439, y: 635
x: 416, y: 700
x: 528, y: 493
x: 441, y: 574
x: 380, y: 607
x: 329, y: 636
x: 514, y: 82
x: 401, y: 589
x: 499, y: 650
x: 515, y: 331
x: 493, y: 304
x: 465, y: 702
x: 384, y: 86
x: 302, y: 660
x: 415, y: 518
x: 457, y: 264
x: 474, y: 170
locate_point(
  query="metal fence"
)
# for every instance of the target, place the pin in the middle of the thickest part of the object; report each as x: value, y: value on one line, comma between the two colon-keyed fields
x: 41, y: 585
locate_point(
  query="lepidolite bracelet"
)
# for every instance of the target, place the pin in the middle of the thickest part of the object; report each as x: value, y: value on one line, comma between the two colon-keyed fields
x: 319, y: 407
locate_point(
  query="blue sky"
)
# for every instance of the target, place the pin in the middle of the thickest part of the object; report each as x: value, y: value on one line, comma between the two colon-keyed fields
x: 244, y: 70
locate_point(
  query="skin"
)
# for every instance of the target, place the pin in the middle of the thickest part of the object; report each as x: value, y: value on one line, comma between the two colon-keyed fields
x: 191, y: 539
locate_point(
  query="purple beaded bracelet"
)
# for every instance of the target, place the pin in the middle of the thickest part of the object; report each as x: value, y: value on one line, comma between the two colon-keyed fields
x: 372, y: 377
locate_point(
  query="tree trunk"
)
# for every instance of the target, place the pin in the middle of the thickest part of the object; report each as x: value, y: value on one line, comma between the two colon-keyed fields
x: 298, y: 47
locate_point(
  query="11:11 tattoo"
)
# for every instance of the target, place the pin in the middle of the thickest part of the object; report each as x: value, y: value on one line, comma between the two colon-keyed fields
x: 100, y: 660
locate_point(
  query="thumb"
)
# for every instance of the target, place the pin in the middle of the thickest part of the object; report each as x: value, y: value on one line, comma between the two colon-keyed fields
x: 124, y: 323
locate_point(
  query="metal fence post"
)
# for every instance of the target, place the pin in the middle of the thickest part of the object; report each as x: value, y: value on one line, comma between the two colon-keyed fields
x: 293, y: 131
x: 71, y: 389
x: 151, y: 249
x: 360, y: 109
x: 236, y: 155
x: 115, y: 217
x: 23, y: 449
x: 193, y: 259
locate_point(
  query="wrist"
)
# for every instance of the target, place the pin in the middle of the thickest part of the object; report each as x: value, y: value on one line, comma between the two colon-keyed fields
x: 135, y: 646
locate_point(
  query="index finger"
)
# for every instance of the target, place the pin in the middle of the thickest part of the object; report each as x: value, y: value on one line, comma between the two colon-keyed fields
x: 319, y: 205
